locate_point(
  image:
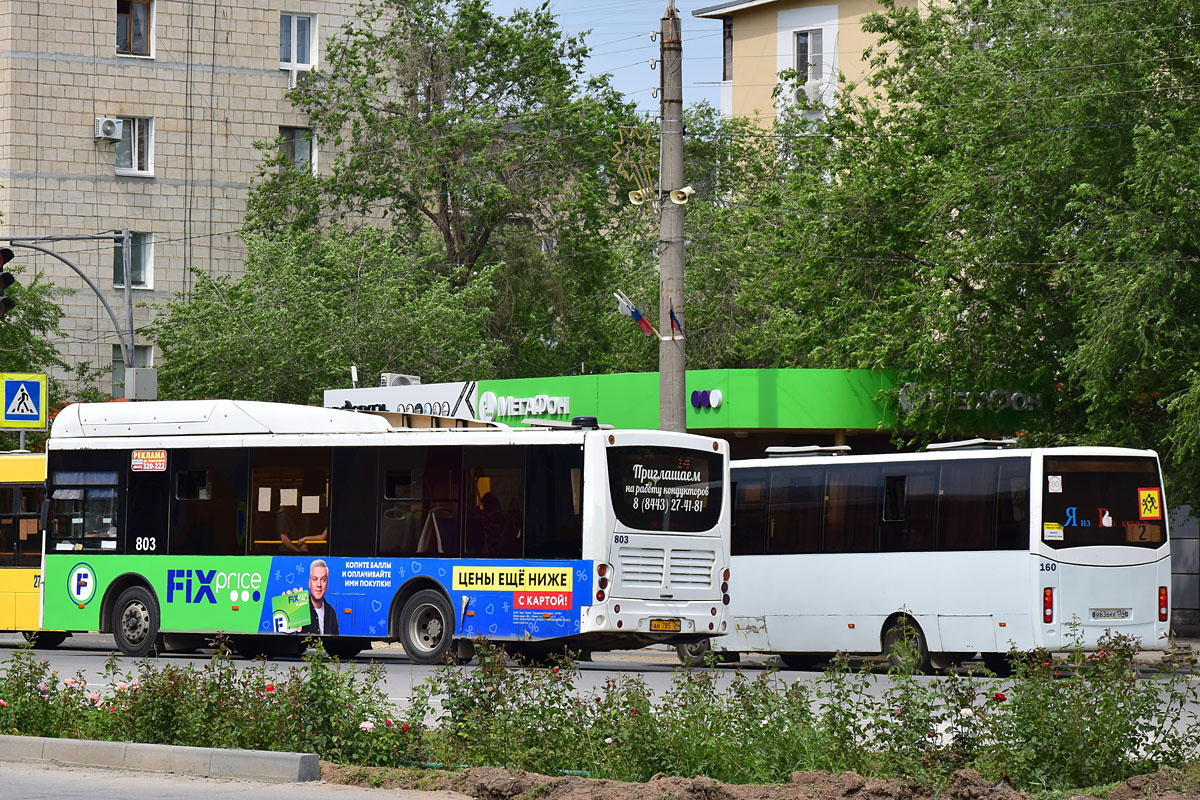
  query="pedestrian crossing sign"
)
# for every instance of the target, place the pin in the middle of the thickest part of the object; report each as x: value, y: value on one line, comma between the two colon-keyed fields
x: 24, y: 401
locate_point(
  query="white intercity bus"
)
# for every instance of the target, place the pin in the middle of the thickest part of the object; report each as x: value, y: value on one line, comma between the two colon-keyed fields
x: 975, y: 547
x: 273, y: 522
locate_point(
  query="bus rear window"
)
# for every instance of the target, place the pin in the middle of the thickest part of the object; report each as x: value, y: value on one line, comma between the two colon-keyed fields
x: 1092, y: 501
x: 666, y: 488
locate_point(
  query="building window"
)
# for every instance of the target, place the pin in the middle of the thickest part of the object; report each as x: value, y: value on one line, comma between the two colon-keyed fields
x: 135, y: 149
x: 296, y: 41
x: 808, y: 56
x: 141, y: 262
x: 296, y: 144
x: 135, y: 20
x: 726, y: 49
x: 143, y: 356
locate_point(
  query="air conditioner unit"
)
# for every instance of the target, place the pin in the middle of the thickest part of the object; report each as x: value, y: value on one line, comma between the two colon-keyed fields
x: 109, y: 128
x: 810, y: 92
x: 398, y: 379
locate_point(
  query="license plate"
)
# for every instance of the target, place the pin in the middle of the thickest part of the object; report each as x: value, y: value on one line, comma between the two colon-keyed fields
x: 1110, y: 613
x: 667, y: 625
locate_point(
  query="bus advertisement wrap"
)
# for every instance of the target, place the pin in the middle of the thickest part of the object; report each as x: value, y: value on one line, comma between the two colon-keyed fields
x: 273, y: 594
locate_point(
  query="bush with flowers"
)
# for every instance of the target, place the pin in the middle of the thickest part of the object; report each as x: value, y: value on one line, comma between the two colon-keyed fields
x: 1057, y: 724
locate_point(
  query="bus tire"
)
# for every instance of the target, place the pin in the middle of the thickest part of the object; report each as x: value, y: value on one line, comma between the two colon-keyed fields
x: 900, y: 629
x: 693, y: 654
x: 427, y: 627
x: 135, y: 622
x: 45, y: 639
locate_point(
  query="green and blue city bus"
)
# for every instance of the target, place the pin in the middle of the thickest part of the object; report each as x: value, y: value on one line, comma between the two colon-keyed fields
x: 271, y: 523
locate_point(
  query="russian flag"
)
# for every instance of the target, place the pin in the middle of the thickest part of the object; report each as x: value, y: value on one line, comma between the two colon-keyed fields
x: 676, y: 325
x: 626, y: 306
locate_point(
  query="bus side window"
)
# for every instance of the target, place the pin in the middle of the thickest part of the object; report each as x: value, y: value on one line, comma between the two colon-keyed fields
x: 851, y: 509
x: 208, y: 488
x: 749, y: 513
x: 28, y: 530
x: 8, y: 528
x: 909, y: 504
x: 553, y: 524
x: 965, y: 505
x: 1012, y: 505
x: 419, y: 507
x: 495, y: 488
x: 289, y: 489
x: 794, y: 518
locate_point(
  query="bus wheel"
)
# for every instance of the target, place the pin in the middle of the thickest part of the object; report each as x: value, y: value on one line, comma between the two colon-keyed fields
x: 45, y: 639
x: 135, y: 621
x: 692, y: 654
x: 427, y: 627
x: 903, y: 642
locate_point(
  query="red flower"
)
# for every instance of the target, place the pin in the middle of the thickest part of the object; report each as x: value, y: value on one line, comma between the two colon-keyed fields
x: 633, y: 711
x: 1045, y: 663
x: 999, y: 697
x: 387, y: 723
x: 404, y: 727
x: 271, y: 688
x: 555, y: 670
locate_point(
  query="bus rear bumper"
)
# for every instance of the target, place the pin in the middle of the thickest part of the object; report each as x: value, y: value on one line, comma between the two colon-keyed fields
x: 656, y: 621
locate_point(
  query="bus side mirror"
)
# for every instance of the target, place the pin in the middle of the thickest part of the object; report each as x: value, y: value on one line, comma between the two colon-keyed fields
x: 44, y: 515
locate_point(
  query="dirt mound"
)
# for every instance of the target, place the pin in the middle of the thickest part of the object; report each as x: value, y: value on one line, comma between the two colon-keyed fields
x: 490, y: 783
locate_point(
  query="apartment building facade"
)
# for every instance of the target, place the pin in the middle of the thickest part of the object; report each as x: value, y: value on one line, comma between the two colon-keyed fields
x: 144, y: 114
x: 762, y: 38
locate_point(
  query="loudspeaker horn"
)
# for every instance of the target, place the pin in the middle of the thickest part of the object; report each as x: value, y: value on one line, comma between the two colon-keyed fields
x: 680, y: 196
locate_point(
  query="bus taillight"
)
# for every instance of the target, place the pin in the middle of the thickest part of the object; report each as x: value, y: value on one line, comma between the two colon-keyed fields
x: 1162, y: 604
x: 1047, y: 605
x: 602, y: 571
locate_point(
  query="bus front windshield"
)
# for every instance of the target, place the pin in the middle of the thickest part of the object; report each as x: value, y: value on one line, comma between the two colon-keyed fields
x: 666, y: 489
x: 1091, y: 501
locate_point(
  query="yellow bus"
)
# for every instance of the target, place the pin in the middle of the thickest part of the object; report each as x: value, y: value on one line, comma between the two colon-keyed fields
x: 22, y: 489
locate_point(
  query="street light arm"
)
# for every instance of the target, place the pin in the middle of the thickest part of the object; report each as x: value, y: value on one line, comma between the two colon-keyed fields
x: 126, y: 348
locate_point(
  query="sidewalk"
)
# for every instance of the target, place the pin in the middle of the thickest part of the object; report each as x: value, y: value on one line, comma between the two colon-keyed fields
x: 208, y: 762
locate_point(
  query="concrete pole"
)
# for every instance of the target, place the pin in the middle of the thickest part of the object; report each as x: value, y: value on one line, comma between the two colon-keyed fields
x: 126, y: 266
x: 671, y: 364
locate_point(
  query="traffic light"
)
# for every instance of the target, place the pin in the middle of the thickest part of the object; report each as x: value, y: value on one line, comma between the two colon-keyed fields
x: 6, y: 280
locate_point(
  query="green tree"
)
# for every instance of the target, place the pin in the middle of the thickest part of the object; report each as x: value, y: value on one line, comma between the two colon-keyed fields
x: 1008, y: 201
x: 310, y: 306
x: 451, y: 124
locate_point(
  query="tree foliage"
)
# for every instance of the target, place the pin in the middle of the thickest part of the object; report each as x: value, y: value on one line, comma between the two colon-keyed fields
x: 1008, y: 202
x: 451, y: 124
x: 311, y: 306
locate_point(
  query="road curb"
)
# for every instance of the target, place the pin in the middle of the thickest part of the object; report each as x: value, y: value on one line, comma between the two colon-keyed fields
x: 207, y: 762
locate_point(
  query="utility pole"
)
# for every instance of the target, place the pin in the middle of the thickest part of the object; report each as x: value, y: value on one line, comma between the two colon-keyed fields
x: 671, y: 364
